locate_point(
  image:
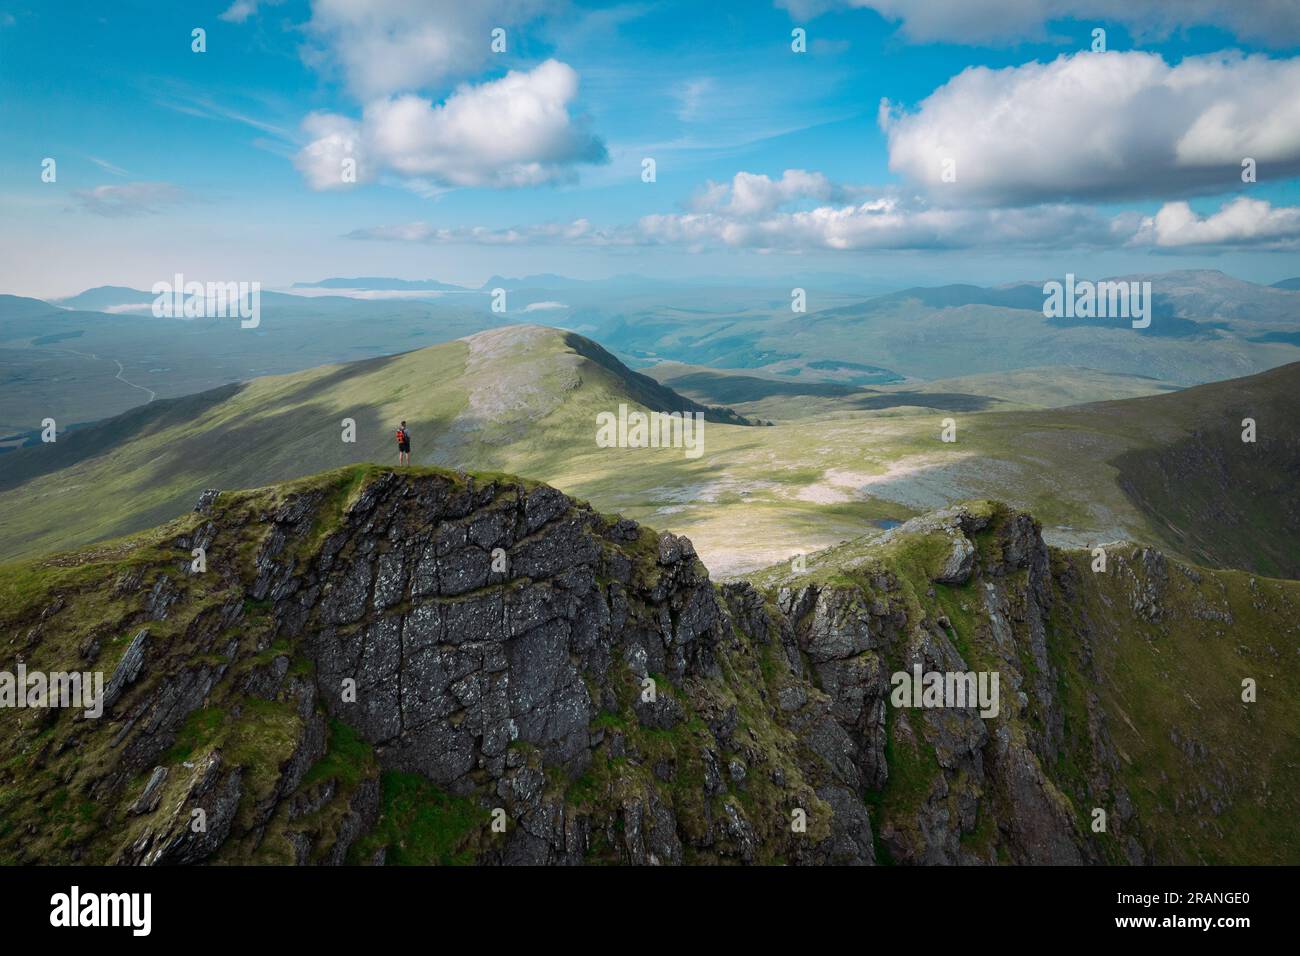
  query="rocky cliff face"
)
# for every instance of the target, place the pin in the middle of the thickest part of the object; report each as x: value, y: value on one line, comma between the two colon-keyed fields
x: 427, y: 667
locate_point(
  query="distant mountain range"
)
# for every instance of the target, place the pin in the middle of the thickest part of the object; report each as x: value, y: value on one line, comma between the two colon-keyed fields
x: 383, y: 285
x: 102, y: 351
x: 77, y: 365
x: 106, y: 298
x: 623, y: 282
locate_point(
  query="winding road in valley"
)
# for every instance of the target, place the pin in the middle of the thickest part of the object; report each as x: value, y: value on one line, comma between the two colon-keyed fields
x: 120, y: 369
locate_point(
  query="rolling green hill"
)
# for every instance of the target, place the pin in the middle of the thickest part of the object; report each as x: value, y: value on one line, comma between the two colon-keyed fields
x: 524, y: 392
x: 1167, y: 469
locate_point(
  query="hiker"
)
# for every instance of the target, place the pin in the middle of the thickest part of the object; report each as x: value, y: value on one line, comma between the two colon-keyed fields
x: 403, y: 445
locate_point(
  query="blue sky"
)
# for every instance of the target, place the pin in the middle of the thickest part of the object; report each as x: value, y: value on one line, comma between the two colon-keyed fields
x: 226, y: 164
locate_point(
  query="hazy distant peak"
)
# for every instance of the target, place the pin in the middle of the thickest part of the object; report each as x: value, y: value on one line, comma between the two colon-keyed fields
x: 381, y: 284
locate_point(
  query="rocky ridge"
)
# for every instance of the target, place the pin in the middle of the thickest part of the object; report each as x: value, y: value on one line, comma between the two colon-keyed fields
x: 378, y: 666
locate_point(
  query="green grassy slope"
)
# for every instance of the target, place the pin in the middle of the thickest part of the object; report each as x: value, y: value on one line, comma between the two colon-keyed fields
x: 1209, y: 494
x: 522, y: 394
x: 1216, y: 778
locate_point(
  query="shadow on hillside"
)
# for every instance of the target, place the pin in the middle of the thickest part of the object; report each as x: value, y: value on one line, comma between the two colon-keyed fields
x: 104, y: 436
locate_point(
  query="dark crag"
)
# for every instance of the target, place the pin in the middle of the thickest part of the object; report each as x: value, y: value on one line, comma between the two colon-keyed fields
x: 375, y: 661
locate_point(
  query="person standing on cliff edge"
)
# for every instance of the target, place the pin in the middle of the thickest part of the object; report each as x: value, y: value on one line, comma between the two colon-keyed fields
x: 403, y: 445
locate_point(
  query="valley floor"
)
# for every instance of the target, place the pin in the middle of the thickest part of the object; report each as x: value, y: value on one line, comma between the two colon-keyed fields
x: 802, y: 486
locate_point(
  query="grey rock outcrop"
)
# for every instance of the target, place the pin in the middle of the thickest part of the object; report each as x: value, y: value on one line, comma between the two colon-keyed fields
x: 582, y: 676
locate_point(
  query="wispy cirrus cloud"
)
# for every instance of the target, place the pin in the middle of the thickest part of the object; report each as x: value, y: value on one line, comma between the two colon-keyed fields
x: 108, y: 167
x: 207, y: 108
x: 130, y: 199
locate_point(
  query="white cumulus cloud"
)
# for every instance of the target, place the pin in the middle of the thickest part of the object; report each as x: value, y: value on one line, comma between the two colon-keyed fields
x: 1241, y: 222
x: 801, y: 211
x: 751, y: 194
x: 884, y: 223
x: 1100, y: 126
x: 383, y: 47
x: 241, y: 10
x: 514, y: 131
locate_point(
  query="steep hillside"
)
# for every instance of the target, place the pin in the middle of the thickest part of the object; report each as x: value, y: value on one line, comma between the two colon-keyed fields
x: 519, y: 394
x: 1208, y: 493
x: 377, y: 666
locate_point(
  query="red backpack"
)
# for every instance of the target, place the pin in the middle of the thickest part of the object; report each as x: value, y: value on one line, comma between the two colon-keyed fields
x: 401, y: 436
